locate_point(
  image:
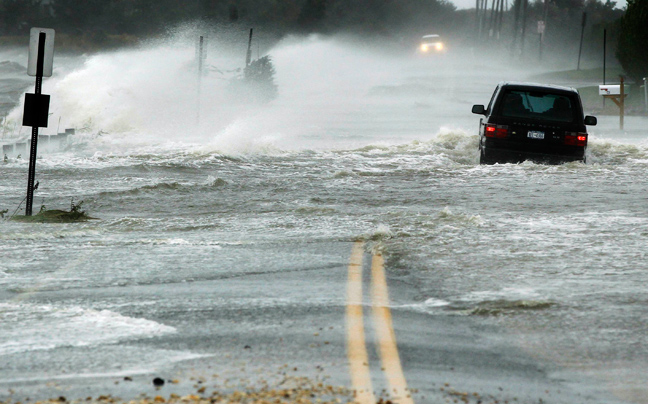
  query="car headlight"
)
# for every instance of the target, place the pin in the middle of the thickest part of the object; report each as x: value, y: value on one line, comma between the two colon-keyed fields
x: 439, y: 46
x: 424, y: 48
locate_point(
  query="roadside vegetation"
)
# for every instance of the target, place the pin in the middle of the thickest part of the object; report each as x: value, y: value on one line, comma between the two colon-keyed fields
x: 632, y: 50
x: 55, y: 215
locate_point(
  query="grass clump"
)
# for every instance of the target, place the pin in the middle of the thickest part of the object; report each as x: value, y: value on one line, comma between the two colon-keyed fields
x: 76, y: 214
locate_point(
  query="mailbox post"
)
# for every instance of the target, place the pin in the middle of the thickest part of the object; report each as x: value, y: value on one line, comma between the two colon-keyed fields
x: 617, y: 94
x: 41, y: 56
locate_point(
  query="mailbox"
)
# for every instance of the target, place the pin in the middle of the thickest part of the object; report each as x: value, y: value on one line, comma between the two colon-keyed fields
x: 613, y: 89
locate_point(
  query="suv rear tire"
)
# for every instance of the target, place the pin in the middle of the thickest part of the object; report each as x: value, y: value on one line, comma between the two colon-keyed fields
x: 485, y: 157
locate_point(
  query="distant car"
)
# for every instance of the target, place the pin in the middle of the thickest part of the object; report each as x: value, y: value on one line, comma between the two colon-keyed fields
x: 431, y: 44
x: 524, y: 121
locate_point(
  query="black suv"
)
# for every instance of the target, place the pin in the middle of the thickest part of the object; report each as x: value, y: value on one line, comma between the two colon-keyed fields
x: 542, y: 123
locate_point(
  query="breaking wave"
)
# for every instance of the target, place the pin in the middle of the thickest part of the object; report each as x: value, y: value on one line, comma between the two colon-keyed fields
x: 174, y: 187
x: 610, y: 152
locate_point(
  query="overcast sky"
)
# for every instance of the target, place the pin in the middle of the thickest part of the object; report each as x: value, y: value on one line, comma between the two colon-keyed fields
x: 471, y: 3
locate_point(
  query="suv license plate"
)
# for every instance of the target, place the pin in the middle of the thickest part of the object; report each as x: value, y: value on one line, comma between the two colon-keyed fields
x: 534, y: 134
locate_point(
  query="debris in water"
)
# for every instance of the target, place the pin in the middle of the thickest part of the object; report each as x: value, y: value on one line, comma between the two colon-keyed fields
x: 497, y: 307
x: 57, y: 216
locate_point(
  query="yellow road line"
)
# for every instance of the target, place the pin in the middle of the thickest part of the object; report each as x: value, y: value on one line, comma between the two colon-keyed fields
x: 384, y: 328
x: 356, y: 345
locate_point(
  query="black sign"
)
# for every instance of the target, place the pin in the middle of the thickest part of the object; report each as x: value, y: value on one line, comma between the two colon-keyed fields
x: 36, y: 110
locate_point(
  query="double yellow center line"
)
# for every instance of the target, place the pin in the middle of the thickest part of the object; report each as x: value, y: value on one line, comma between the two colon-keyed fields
x: 383, y: 327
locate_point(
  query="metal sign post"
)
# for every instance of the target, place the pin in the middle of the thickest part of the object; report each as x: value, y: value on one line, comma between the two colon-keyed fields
x: 41, y: 52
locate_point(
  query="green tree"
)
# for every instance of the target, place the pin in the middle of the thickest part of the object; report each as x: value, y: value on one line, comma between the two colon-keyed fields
x: 632, y: 48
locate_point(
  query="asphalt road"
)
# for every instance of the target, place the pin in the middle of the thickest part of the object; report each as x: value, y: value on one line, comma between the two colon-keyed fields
x: 345, y: 325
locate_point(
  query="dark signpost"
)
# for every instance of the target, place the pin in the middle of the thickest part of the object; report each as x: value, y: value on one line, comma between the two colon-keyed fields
x: 41, y: 55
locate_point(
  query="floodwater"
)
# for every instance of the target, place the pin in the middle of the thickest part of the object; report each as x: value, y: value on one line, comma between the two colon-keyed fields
x: 360, y: 143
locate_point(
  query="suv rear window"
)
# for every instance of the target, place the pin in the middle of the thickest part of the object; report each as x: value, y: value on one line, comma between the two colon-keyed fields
x: 537, y: 105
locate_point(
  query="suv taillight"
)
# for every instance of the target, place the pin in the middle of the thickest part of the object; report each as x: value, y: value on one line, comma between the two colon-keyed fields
x: 576, y: 139
x: 498, y: 131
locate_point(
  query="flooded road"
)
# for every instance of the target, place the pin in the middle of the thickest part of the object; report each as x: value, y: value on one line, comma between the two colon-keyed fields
x: 227, y: 243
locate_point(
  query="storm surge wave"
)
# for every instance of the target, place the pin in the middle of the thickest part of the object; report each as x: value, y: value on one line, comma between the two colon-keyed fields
x: 153, y: 95
x: 170, y: 187
x: 449, y: 148
x: 147, y: 105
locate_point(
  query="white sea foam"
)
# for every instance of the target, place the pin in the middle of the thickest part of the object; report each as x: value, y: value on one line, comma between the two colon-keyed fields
x: 141, y: 361
x: 27, y: 327
x: 509, y: 293
x: 433, y: 302
x: 179, y: 242
x: 608, y: 151
x: 431, y: 305
x: 446, y: 215
x: 381, y: 232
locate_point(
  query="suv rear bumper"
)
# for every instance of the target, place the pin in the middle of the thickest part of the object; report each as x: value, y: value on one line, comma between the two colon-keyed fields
x: 498, y: 153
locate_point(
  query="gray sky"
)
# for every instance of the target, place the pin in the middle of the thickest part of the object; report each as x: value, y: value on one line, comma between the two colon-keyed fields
x: 471, y: 3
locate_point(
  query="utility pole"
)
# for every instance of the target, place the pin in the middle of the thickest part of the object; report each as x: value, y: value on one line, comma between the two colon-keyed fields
x: 200, y: 52
x: 604, y: 58
x: 248, y: 55
x: 482, y: 11
x: 622, y: 103
x: 646, y: 93
x: 491, y: 25
x: 604, y: 52
x: 580, y: 48
x: 516, y: 5
x: 524, y: 17
x: 477, y: 4
x: 542, y: 28
x: 501, y: 16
